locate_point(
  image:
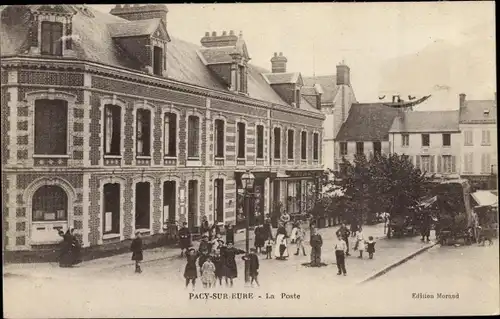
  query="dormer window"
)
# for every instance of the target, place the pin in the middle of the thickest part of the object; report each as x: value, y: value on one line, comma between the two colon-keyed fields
x: 157, y: 60
x: 297, y: 98
x: 52, y: 33
x: 242, y: 84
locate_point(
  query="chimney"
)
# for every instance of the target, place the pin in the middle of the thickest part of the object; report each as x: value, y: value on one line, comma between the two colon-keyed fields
x: 318, y: 101
x: 343, y: 74
x: 141, y: 12
x: 278, y: 63
x: 223, y: 40
x: 462, y: 100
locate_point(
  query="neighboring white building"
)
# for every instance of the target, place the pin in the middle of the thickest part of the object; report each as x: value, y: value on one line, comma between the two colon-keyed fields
x: 478, y: 126
x: 337, y: 97
x: 431, y: 139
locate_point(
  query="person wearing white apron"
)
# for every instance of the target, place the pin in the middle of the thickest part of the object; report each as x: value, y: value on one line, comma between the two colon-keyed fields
x: 281, y: 249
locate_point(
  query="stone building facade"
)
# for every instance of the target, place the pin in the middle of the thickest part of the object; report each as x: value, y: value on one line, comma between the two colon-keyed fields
x: 111, y: 126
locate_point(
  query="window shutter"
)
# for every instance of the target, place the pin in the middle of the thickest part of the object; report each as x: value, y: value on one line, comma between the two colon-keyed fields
x: 432, y: 164
x: 417, y: 161
x: 439, y: 164
x: 453, y: 164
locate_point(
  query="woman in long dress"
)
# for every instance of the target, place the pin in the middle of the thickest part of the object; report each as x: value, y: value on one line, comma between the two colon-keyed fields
x: 281, y: 249
x: 65, y: 256
x: 229, y: 256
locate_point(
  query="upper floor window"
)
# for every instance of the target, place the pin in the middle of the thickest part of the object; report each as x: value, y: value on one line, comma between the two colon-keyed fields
x: 360, y: 148
x: 51, y: 127
x: 143, y: 132
x: 426, y: 140
x: 277, y: 142
x: 193, y: 136
x: 377, y: 148
x: 112, y: 129
x: 158, y: 60
x: 170, y: 134
x: 468, y: 138
x: 219, y: 138
x: 315, y: 146
x: 242, y: 79
x: 260, y: 141
x: 446, y: 139
x: 485, y: 137
x: 448, y: 164
x: 241, y: 135
x: 52, y: 33
x: 290, y: 144
x: 343, y: 148
x: 405, y: 140
x: 297, y: 98
x: 303, y: 145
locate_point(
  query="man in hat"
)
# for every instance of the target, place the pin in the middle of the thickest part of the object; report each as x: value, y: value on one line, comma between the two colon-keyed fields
x: 136, y: 248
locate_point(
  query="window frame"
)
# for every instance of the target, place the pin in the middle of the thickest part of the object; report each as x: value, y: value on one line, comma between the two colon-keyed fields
x: 444, y: 137
x: 358, y: 148
x: 55, y: 50
x: 343, y: 148
x: 166, y: 152
x: 485, y: 137
x: 139, y: 110
x: 105, y: 129
x: 259, y: 151
x: 65, y: 200
x: 67, y: 139
x: 277, y: 146
x: 197, y: 154
x: 303, y: 145
x: 158, y: 62
x: 405, y: 140
x: 120, y: 194
x: 316, y: 146
x: 426, y: 136
x: 375, y: 152
x: 240, y: 139
x: 219, y: 150
x: 219, y: 190
x: 290, y: 146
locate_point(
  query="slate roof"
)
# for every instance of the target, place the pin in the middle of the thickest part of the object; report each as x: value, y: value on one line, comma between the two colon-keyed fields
x: 282, y: 78
x: 328, y: 85
x: 93, y: 41
x: 473, y: 112
x: 367, y: 122
x: 430, y: 121
x: 133, y: 28
x: 217, y: 55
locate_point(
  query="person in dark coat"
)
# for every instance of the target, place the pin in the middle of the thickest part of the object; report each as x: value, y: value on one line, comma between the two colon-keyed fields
x: 190, y: 273
x: 229, y: 234
x: 184, y: 238
x: 229, y: 256
x: 220, y: 267
x: 76, y: 248
x: 316, y: 243
x: 136, y: 248
x: 65, y: 256
x: 253, y: 266
x: 259, y: 238
x: 268, y: 228
x: 370, y: 247
x: 202, y: 257
x: 205, y: 245
x: 344, y: 233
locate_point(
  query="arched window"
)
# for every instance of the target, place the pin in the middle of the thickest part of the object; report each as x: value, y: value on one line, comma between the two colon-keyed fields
x: 50, y: 203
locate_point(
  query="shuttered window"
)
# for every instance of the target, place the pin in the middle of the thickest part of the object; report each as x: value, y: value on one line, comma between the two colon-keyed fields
x: 112, y: 129
x: 315, y: 146
x: 277, y: 142
x: 143, y: 132
x: 260, y: 141
x: 303, y: 145
x: 219, y: 138
x: 193, y: 136
x: 485, y: 137
x: 290, y: 144
x: 170, y: 134
x: 468, y: 138
x: 241, y: 139
x: 52, y: 33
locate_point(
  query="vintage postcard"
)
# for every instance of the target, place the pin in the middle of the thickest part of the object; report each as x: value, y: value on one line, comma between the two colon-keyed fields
x: 235, y: 160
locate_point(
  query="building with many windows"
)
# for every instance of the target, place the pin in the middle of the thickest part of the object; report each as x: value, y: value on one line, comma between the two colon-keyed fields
x: 478, y: 126
x: 110, y: 125
x: 431, y: 139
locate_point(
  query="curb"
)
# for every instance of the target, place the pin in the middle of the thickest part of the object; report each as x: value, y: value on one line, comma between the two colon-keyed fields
x: 397, y: 263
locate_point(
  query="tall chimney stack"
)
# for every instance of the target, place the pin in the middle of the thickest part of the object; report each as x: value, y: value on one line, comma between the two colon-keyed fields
x: 141, y: 12
x: 278, y: 63
x: 343, y: 74
x: 462, y: 99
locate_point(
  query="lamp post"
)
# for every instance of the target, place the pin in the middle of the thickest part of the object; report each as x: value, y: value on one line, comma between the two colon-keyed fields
x: 247, y: 180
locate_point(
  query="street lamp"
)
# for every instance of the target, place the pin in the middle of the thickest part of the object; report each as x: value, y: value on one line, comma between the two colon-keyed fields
x: 247, y: 180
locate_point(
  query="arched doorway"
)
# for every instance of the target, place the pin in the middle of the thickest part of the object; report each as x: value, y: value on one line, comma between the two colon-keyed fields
x: 49, y: 213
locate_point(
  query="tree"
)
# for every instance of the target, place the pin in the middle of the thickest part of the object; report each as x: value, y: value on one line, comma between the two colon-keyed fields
x: 385, y: 183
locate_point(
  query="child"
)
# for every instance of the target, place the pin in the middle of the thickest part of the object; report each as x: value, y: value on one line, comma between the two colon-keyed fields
x: 360, y: 242
x: 269, y: 248
x: 190, y: 271
x: 370, y: 244
x: 136, y: 248
x: 208, y: 273
x: 219, y: 265
x: 293, y: 236
x: 253, y: 266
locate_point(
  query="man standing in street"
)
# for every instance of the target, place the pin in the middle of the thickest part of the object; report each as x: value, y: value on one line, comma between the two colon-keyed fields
x: 340, y: 253
x: 344, y: 233
x: 184, y: 238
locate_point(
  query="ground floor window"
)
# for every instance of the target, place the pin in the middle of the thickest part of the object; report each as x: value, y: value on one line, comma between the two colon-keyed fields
x: 142, y: 205
x: 111, y: 218
x: 294, y: 197
x: 219, y: 199
x: 50, y: 203
x: 192, y: 203
x: 169, y: 202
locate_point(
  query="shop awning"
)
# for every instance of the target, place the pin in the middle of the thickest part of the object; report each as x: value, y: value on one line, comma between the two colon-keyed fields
x: 485, y: 198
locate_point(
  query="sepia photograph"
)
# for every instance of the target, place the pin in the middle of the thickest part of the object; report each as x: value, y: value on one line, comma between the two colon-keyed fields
x: 173, y: 160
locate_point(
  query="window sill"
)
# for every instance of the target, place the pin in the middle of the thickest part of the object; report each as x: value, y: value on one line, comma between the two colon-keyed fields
x: 468, y: 144
x: 143, y: 157
x: 193, y: 162
x: 447, y: 146
x: 110, y: 236
x: 405, y: 146
x: 43, y: 222
x: 484, y: 144
x: 170, y: 157
x: 113, y: 156
x: 143, y: 231
x: 50, y: 156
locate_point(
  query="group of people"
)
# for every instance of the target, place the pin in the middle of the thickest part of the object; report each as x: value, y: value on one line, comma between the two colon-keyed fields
x: 70, y: 252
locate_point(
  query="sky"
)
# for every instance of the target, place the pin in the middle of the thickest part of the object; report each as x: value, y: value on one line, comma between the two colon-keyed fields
x: 374, y: 39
